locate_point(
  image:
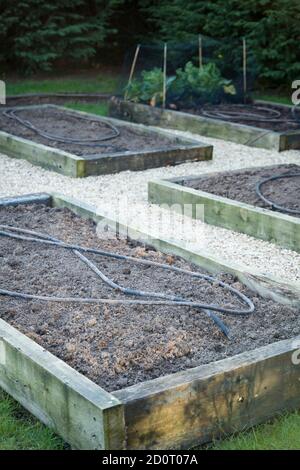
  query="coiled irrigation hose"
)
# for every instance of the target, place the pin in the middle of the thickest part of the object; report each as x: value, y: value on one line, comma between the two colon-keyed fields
x: 269, y: 114
x: 165, y: 299
x: 11, y: 114
x: 267, y: 201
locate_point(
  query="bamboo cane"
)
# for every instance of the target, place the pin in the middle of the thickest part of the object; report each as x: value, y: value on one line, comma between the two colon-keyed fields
x: 245, y: 69
x: 200, y: 51
x: 165, y: 75
x: 132, y: 69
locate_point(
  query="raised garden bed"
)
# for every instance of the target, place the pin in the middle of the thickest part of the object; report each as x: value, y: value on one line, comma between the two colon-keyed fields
x: 212, y: 388
x: 229, y: 200
x: 256, y: 133
x: 129, y: 147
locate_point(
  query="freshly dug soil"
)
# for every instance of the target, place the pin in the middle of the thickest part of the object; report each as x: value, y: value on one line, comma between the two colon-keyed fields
x: 240, y: 186
x: 121, y: 345
x: 286, y: 120
x: 65, y: 124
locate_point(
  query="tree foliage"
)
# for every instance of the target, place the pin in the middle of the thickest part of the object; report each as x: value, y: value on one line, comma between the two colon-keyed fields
x: 35, y: 33
x: 271, y: 27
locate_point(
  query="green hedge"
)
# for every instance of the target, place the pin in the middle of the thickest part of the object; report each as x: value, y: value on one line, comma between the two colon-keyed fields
x: 272, y: 29
x: 35, y: 34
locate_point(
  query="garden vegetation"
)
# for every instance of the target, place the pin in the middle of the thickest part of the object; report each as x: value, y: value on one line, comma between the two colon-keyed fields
x: 37, y: 35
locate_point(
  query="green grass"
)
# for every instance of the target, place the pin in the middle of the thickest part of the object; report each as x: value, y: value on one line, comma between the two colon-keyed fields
x: 274, y: 98
x: 281, y: 434
x: 101, y: 84
x: 101, y: 109
x: 20, y: 431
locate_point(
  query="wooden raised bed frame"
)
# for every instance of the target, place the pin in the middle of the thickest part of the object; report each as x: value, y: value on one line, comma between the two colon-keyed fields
x: 257, y: 222
x: 239, y: 133
x: 175, y: 411
x: 181, y: 150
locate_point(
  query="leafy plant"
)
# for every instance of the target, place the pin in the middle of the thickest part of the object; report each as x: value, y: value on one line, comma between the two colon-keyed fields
x: 204, y: 84
x: 189, y: 85
x: 149, y: 88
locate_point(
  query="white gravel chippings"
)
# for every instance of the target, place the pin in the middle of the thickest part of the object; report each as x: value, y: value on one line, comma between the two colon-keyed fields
x: 113, y: 193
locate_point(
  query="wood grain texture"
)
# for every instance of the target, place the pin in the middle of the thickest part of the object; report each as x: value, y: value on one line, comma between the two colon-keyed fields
x: 239, y: 133
x: 175, y: 411
x: 181, y: 150
x: 265, y: 224
x: 81, y: 412
x: 211, y: 401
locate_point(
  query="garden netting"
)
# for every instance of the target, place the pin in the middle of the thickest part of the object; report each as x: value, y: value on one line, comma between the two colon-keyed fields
x: 199, y: 72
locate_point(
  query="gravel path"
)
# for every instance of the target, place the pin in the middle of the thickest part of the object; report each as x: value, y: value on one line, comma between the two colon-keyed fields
x: 125, y: 195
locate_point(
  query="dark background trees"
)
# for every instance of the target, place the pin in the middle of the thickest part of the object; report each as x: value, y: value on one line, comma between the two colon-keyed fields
x: 271, y: 27
x: 36, y: 35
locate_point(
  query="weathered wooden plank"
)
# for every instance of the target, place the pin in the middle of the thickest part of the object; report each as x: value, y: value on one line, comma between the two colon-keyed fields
x: 80, y: 411
x: 41, y: 155
x: 265, y: 285
x: 181, y: 150
x: 41, y: 198
x: 175, y: 411
x: 290, y: 141
x: 239, y: 133
x: 143, y: 160
x: 275, y: 227
x: 210, y: 401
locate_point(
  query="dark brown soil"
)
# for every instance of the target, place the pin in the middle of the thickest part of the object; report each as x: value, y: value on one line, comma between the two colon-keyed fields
x: 286, y: 120
x: 64, y: 124
x: 121, y: 346
x: 240, y: 186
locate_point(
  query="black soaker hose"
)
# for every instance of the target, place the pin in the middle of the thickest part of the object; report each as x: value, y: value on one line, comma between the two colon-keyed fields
x: 11, y: 114
x: 271, y: 116
x: 254, y: 114
x: 271, y: 203
x: 168, y: 300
